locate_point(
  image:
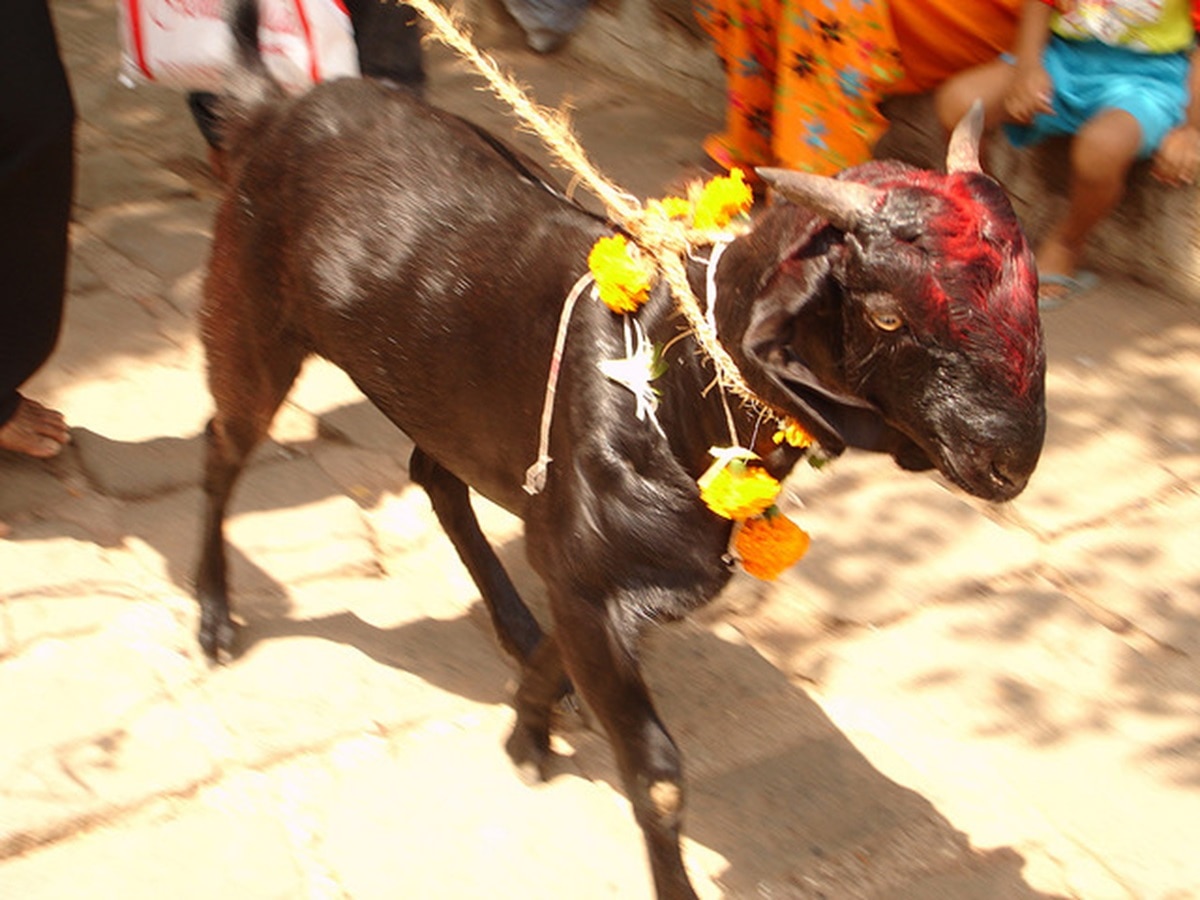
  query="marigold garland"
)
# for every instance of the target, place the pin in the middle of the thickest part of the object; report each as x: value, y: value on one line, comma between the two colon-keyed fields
x: 721, y: 200
x: 670, y: 208
x: 623, y: 276
x: 770, y: 544
x: 714, y: 209
x: 736, y: 486
x: 792, y: 433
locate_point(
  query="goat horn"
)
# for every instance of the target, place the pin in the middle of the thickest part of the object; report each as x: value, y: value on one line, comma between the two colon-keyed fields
x: 844, y: 203
x: 963, y: 152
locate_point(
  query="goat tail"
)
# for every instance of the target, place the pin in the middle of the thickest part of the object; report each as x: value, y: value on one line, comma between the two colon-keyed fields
x: 249, y: 84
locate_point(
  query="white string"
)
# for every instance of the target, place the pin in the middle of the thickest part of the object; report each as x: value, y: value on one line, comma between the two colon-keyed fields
x: 710, y: 284
x: 535, y: 475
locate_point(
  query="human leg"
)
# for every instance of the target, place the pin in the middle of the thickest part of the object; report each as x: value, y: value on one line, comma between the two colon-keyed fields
x: 987, y: 83
x: 830, y: 81
x: 745, y: 36
x: 36, y: 184
x: 1127, y: 103
x: 1101, y: 155
x: 547, y: 23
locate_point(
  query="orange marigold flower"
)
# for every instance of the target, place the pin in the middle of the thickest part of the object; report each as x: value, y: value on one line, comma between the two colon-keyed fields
x: 623, y: 277
x: 736, y: 489
x: 793, y: 433
x: 721, y: 199
x: 770, y: 544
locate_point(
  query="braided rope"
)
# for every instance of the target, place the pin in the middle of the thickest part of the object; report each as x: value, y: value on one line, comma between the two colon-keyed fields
x: 667, y: 241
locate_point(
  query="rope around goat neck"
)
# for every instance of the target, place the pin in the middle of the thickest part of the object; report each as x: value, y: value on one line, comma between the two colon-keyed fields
x: 667, y: 241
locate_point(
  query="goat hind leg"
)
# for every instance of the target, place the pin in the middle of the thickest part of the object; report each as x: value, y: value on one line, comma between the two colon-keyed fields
x: 543, y: 683
x: 517, y: 629
x: 247, y: 391
x: 216, y: 631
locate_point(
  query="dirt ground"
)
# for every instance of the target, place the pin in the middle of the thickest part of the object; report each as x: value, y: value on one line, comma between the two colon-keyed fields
x: 943, y: 700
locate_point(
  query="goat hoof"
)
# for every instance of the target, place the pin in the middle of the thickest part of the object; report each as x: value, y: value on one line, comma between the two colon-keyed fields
x: 570, y: 708
x: 529, y: 750
x: 217, y: 639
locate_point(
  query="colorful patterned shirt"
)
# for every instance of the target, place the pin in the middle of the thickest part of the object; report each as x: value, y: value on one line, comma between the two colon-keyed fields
x: 1149, y: 26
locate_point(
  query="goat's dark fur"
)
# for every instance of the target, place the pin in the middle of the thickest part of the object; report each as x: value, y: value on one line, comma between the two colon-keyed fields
x: 432, y: 266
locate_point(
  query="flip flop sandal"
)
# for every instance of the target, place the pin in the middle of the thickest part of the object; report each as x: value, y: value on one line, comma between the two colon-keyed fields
x: 1068, y: 288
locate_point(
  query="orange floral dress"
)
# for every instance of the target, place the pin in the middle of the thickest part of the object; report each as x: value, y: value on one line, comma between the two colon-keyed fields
x: 804, y: 78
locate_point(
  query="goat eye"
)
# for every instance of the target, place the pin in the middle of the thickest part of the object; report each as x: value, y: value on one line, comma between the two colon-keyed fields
x: 887, y: 321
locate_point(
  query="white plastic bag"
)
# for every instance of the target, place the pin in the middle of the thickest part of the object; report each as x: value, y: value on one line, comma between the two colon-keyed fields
x: 186, y: 43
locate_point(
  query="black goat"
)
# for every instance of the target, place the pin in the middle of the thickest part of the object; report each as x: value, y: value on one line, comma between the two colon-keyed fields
x: 891, y: 309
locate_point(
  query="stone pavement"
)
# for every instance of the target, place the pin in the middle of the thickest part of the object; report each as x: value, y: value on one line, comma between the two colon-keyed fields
x: 943, y: 700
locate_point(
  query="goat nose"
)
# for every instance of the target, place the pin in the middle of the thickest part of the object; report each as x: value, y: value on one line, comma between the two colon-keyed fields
x: 999, y: 477
x: 1008, y: 474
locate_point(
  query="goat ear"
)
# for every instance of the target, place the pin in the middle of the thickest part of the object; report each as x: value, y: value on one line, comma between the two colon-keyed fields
x: 963, y: 152
x: 834, y: 418
x: 844, y: 203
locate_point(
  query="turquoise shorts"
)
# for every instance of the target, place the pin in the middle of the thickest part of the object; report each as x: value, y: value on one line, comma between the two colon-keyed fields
x: 1090, y: 77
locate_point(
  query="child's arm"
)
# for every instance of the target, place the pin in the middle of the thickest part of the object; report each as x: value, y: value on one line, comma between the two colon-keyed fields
x: 1031, y: 90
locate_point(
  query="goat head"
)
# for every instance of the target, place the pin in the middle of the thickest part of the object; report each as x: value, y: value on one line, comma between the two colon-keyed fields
x: 900, y: 315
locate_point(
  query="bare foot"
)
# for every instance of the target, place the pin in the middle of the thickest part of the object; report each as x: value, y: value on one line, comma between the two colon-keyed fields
x: 34, y: 430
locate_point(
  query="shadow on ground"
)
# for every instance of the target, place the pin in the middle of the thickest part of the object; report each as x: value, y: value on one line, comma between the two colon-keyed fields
x: 782, y: 796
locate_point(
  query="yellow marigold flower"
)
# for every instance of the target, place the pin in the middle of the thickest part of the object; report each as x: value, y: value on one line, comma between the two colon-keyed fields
x: 735, y: 487
x: 793, y: 433
x: 770, y: 544
x: 623, y: 277
x: 722, y: 198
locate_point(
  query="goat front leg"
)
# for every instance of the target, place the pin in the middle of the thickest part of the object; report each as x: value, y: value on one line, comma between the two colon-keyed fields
x: 600, y: 658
